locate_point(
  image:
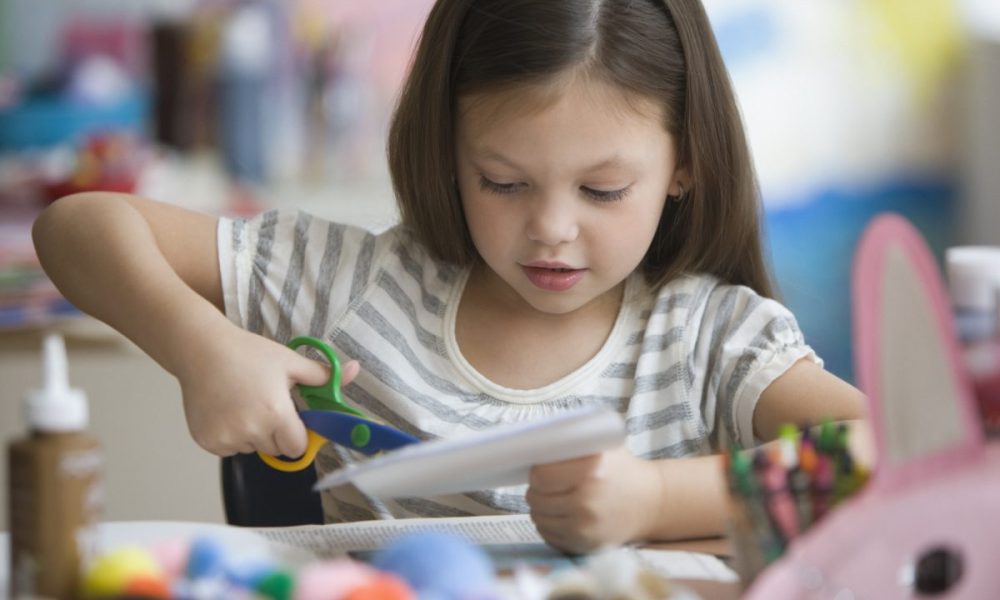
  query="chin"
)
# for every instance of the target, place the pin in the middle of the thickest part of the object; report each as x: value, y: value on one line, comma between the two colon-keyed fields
x: 555, y: 305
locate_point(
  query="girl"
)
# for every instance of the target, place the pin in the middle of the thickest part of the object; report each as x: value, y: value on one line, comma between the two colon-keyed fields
x: 579, y: 226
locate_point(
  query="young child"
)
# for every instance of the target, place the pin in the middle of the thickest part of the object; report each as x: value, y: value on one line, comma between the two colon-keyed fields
x: 580, y: 225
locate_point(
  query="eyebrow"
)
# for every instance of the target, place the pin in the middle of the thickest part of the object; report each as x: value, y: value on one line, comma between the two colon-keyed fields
x: 614, y: 161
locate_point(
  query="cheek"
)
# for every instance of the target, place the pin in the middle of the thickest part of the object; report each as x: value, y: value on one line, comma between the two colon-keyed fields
x: 629, y: 238
x: 484, y: 220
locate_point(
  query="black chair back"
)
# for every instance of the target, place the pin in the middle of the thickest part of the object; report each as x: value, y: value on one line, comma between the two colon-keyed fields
x: 255, y: 495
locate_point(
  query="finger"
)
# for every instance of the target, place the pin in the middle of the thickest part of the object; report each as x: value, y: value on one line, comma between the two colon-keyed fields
x: 232, y: 450
x: 266, y: 444
x: 307, y: 371
x: 227, y: 448
x: 558, y: 533
x: 348, y: 371
x: 549, y: 505
x: 290, y: 437
x: 564, y: 476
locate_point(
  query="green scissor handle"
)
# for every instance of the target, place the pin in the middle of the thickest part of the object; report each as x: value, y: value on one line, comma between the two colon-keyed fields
x: 321, y: 397
x: 326, y: 396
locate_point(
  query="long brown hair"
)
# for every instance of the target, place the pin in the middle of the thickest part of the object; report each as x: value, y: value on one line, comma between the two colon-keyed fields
x: 660, y: 49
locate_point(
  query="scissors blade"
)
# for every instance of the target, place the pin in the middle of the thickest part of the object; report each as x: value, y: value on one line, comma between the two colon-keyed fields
x: 340, y: 428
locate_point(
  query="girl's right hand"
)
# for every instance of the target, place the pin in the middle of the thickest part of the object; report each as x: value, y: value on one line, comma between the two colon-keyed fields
x: 237, y: 394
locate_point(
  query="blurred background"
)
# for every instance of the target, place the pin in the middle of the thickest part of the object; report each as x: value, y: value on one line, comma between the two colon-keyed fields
x: 853, y: 107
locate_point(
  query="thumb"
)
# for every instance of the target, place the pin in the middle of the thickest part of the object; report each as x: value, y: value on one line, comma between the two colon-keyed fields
x: 312, y: 372
x: 290, y: 434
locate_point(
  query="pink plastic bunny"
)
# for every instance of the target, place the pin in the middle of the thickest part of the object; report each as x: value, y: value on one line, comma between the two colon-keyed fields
x: 928, y: 523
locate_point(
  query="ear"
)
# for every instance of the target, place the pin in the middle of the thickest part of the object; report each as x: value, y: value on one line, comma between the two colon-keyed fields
x: 908, y: 359
x: 681, y: 180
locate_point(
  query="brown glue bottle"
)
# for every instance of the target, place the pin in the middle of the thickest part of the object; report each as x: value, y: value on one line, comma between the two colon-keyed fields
x: 55, y: 488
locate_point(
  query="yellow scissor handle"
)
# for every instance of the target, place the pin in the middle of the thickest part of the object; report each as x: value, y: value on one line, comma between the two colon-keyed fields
x: 314, y: 442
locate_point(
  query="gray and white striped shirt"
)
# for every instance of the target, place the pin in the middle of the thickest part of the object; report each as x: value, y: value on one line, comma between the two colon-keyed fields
x: 684, y: 364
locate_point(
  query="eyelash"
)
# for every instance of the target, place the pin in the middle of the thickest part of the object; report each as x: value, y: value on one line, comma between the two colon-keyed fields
x: 510, y: 188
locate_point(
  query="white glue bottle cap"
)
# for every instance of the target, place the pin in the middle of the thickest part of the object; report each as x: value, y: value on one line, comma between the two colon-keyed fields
x: 56, y: 406
x: 973, y: 276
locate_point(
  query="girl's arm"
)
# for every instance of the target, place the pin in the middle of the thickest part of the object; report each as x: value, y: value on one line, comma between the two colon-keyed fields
x: 146, y: 268
x: 151, y: 271
x: 807, y: 395
x: 615, y: 497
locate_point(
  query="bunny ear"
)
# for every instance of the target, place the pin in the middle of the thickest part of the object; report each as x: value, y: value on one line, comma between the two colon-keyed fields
x: 907, y: 357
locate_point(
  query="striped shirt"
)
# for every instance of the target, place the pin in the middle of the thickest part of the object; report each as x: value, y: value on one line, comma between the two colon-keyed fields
x: 684, y: 364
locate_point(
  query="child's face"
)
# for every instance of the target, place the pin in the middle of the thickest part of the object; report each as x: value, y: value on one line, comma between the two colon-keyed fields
x: 562, y: 200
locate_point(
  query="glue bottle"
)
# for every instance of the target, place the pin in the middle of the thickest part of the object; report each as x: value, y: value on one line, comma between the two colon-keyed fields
x: 974, y: 283
x: 55, y: 489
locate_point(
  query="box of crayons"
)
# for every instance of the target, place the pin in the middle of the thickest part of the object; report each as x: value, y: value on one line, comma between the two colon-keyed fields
x: 778, y: 491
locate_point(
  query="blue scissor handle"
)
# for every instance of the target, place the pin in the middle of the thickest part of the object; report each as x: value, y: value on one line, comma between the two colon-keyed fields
x: 354, y: 432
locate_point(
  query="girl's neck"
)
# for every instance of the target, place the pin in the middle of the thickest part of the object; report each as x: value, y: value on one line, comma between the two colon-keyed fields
x: 517, y: 346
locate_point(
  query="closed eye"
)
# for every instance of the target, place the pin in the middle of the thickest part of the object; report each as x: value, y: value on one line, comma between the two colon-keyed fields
x: 606, y: 195
x: 488, y: 185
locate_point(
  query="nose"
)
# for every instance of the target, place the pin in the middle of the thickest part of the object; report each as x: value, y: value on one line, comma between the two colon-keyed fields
x: 552, y: 221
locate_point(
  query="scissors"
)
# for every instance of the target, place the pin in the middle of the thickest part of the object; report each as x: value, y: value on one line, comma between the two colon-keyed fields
x: 329, y: 419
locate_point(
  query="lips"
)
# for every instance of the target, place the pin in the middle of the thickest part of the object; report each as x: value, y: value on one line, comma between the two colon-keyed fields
x: 552, y: 277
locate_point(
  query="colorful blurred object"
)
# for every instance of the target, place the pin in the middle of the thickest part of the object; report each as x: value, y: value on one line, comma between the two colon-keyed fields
x: 124, y: 570
x: 924, y: 36
x: 47, y: 121
x: 438, y: 565
x: 27, y: 297
x: 96, y: 85
x: 109, y: 163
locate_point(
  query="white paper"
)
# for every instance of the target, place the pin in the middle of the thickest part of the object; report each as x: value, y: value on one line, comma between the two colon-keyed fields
x: 337, y: 539
x: 679, y: 564
x: 499, y: 457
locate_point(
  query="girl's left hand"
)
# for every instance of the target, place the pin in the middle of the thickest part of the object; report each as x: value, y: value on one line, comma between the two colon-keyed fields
x: 606, y: 499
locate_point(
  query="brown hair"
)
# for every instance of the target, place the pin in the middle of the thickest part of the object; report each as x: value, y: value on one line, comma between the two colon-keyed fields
x: 660, y: 49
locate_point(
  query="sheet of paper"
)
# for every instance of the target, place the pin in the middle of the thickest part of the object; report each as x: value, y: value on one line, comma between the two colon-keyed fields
x: 680, y: 564
x: 495, y: 458
x: 338, y: 539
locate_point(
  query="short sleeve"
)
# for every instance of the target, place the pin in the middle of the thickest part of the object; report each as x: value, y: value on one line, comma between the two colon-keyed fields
x: 287, y: 273
x: 743, y: 343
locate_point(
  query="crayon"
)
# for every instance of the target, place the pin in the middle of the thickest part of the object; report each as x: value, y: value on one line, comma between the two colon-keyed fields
x: 800, y: 483
x: 827, y: 441
x: 822, y: 486
x: 788, y: 440
x: 769, y: 542
x: 778, y: 502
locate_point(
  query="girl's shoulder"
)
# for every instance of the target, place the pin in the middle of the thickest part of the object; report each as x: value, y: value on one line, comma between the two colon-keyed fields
x: 687, y: 290
x: 291, y: 226
x: 397, y: 252
x: 705, y: 294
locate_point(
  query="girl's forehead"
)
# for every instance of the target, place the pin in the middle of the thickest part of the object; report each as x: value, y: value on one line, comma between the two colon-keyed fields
x: 563, y: 128
x: 497, y: 107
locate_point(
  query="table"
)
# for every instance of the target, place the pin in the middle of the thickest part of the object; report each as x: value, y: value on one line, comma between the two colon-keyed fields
x: 249, y: 545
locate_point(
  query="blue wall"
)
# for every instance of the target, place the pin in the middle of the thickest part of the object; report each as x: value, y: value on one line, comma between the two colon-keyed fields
x: 812, y: 247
